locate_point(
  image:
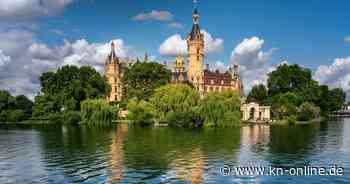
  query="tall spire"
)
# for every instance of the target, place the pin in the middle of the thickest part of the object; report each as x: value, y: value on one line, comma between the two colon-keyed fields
x: 196, y: 31
x: 195, y: 14
x: 112, y: 55
x: 146, y: 58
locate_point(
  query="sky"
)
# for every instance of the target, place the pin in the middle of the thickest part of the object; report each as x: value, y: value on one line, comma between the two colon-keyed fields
x: 37, y: 36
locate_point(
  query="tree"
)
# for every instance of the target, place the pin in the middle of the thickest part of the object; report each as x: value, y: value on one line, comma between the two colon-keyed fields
x: 307, y: 111
x: 14, y: 109
x: 220, y: 109
x: 187, y: 119
x: 258, y: 94
x: 142, y: 78
x: 98, y: 112
x: 288, y: 78
x: 66, y: 88
x: 337, y: 99
x: 7, y: 101
x: 284, y: 105
x: 22, y: 102
x: 173, y: 98
x: 291, y: 85
x: 330, y: 100
x: 141, y: 112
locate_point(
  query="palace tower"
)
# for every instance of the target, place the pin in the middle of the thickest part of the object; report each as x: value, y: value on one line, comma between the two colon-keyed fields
x: 195, y: 46
x: 114, y: 73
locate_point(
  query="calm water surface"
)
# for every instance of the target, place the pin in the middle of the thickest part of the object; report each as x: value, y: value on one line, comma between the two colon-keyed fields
x: 126, y: 154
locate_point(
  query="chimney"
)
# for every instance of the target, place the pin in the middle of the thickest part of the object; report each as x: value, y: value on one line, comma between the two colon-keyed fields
x: 207, y: 67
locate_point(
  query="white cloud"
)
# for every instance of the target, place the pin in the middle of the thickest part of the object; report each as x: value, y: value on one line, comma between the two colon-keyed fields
x: 347, y: 39
x: 212, y: 45
x: 3, y: 59
x: 175, y: 45
x: 26, y: 59
x: 175, y: 25
x: 15, y: 41
x: 218, y: 65
x: 336, y: 75
x: 29, y: 9
x: 57, y: 32
x: 249, y: 54
x: 253, y: 62
x: 157, y: 15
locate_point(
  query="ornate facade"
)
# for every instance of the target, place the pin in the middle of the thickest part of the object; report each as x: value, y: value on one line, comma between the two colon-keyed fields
x: 114, y: 68
x: 195, y: 49
x: 204, y: 80
x: 253, y: 112
x: 179, y: 73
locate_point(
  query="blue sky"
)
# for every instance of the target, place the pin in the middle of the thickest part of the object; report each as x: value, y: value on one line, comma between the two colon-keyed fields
x: 311, y: 33
x: 306, y: 32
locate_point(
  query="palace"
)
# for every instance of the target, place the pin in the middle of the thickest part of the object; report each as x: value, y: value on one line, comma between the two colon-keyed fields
x: 203, y: 79
x: 114, y: 69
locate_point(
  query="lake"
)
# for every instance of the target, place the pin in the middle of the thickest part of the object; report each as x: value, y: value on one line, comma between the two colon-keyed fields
x: 129, y: 154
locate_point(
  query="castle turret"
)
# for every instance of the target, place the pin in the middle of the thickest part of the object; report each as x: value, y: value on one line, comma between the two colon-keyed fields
x: 195, y: 45
x: 113, y: 74
x: 146, y: 58
x: 179, y: 64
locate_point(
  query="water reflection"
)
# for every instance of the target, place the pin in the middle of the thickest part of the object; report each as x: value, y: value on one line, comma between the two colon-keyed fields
x: 256, y: 137
x: 116, y: 154
x: 189, y: 167
x: 128, y: 154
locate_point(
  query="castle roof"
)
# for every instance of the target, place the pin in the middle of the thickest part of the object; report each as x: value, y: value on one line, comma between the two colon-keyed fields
x: 217, y: 78
x: 196, y: 31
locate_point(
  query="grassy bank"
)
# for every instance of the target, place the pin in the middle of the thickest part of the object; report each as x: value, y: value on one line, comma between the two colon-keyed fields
x: 289, y: 122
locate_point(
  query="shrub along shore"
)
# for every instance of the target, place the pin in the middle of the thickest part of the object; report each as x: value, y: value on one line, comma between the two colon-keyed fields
x: 73, y: 95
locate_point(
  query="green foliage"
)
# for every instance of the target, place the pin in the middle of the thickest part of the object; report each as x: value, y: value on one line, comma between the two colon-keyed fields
x: 308, y: 111
x: 16, y: 115
x: 141, y: 112
x: 288, y: 78
x: 173, y: 98
x: 98, y: 112
x: 220, y: 109
x: 258, y: 94
x: 186, y: 119
x: 14, y: 109
x: 71, y: 117
x: 291, y: 85
x: 55, y: 118
x: 339, y: 97
x: 142, y: 78
x: 45, y: 106
x: 65, y: 89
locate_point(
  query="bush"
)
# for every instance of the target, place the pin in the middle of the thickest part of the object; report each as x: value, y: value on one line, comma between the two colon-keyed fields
x: 71, y: 117
x: 188, y: 119
x: 173, y: 98
x: 55, y: 118
x: 307, y: 111
x: 220, y: 109
x: 140, y: 112
x: 291, y: 120
x: 98, y: 112
x: 16, y: 115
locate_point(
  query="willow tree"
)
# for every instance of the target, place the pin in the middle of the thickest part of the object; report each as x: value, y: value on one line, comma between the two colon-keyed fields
x: 98, y: 112
x: 220, y: 109
x: 174, y: 98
